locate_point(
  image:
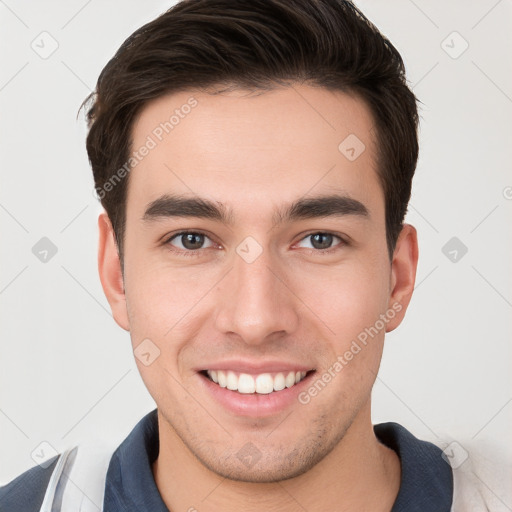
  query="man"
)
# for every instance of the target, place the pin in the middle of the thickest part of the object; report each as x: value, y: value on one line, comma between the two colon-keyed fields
x: 255, y: 160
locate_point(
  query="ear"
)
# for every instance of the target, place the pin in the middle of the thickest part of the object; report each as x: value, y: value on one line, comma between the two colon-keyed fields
x: 403, y: 274
x: 109, y: 267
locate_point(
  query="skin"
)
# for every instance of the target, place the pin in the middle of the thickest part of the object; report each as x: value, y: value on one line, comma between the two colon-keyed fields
x: 255, y: 154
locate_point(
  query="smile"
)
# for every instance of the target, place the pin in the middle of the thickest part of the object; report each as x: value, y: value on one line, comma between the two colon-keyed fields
x: 264, y: 383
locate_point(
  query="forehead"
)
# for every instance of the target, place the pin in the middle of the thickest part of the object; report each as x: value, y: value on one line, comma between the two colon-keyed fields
x: 244, y: 149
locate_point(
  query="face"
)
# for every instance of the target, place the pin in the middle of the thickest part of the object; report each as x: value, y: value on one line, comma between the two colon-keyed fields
x: 257, y: 285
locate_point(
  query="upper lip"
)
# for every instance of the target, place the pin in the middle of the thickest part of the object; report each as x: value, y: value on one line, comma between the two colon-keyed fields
x: 255, y: 367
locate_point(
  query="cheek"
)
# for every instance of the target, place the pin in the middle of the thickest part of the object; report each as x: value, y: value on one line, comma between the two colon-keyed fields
x: 351, y: 307
x: 348, y: 300
x: 158, y: 308
x: 167, y: 306
x: 160, y: 297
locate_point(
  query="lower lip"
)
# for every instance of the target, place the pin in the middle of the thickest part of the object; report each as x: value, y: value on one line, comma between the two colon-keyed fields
x: 255, y: 405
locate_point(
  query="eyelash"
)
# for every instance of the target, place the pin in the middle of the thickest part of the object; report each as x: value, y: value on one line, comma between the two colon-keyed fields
x: 197, y: 252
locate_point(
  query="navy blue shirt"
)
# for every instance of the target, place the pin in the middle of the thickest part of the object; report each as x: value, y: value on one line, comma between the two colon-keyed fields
x: 426, y: 483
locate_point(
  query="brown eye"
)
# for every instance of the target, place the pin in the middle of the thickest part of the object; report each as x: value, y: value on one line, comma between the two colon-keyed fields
x: 320, y: 241
x: 189, y: 241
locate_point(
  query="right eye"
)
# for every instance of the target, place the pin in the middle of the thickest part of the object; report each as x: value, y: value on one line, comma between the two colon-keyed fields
x: 189, y: 241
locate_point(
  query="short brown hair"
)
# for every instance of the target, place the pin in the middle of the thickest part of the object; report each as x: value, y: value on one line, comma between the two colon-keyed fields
x: 255, y: 44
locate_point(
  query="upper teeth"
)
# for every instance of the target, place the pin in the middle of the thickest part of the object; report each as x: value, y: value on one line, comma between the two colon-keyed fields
x: 264, y: 383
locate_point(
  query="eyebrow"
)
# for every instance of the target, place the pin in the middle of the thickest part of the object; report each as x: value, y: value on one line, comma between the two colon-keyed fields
x: 170, y: 206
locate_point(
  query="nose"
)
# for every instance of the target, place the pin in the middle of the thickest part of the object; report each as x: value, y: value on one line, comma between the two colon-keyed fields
x: 256, y: 302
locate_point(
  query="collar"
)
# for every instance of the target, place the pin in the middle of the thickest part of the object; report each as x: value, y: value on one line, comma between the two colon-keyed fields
x: 426, y: 483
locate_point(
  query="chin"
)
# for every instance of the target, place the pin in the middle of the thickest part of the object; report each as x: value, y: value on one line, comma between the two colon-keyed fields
x: 263, y: 471
x: 272, y: 463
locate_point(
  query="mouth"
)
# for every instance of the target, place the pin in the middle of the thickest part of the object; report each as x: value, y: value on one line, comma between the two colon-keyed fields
x: 260, y: 384
x: 252, y: 390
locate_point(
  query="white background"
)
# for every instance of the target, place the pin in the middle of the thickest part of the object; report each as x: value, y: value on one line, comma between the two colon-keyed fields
x: 67, y: 371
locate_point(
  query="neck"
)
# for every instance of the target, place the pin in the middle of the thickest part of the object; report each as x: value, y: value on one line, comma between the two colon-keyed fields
x: 359, y: 474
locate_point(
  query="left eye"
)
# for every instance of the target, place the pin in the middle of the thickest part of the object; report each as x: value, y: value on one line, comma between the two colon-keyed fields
x: 320, y: 240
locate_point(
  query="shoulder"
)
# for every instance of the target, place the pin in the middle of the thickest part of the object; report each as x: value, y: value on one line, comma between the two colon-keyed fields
x: 26, y: 492
x: 481, y: 476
